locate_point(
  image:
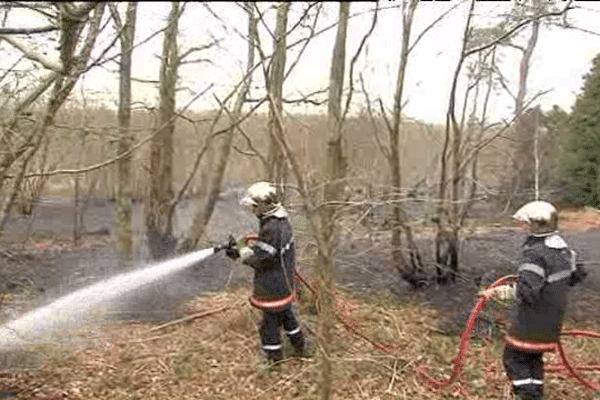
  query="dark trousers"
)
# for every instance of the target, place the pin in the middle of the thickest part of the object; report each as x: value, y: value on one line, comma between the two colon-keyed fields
x: 270, y: 335
x: 525, y: 371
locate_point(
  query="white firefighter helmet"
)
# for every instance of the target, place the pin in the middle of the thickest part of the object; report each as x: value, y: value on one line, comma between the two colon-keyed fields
x: 541, y: 217
x: 261, y: 197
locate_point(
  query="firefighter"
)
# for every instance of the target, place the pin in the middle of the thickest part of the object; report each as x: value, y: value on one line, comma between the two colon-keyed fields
x: 272, y: 258
x: 547, y: 268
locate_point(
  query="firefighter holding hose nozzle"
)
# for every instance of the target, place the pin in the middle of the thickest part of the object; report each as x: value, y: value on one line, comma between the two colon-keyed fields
x: 547, y: 268
x: 271, y: 255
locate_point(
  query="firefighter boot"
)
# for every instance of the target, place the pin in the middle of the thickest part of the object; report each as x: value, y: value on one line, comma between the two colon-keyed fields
x: 298, y: 343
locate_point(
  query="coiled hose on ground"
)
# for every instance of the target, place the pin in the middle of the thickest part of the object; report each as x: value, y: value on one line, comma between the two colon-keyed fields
x: 566, y: 365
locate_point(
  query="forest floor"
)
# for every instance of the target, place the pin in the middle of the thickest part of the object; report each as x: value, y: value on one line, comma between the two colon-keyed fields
x: 216, y: 356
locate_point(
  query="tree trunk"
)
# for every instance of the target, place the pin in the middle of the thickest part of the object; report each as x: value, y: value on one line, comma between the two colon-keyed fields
x: 72, y: 22
x: 276, y: 172
x: 524, y: 66
x: 522, y: 173
x: 334, y: 184
x: 158, y: 219
x: 399, y: 219
x: 447, y: 219
x: 203, y: 214
x: 124, y: 190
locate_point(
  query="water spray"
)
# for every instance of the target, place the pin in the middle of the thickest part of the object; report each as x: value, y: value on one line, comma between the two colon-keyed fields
x: 75, y: 309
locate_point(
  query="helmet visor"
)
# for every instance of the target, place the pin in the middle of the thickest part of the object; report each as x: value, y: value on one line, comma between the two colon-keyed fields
x: 247, y: 201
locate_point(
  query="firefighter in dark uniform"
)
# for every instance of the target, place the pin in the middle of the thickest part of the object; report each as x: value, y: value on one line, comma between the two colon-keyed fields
x: 547, y: 268
x: 272, y: 258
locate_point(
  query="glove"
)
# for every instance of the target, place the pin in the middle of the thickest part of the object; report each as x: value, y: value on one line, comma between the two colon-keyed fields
x: 232, y: 253
x: 579, y: 275
x: 502, y: 294
x: 245, y: 253
x: 239, y: 248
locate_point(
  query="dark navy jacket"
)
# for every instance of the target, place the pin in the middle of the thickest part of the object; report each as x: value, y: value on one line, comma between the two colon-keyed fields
x: 547, y: 267
x: 273, y: 262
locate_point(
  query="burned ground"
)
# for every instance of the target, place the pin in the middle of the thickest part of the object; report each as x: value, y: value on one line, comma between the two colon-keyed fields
x: 48, y: 265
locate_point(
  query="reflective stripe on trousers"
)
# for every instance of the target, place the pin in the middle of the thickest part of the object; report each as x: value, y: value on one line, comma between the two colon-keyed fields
x: 525, y: 370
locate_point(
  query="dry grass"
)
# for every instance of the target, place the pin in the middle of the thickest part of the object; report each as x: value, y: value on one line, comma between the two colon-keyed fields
x: 216, y: 357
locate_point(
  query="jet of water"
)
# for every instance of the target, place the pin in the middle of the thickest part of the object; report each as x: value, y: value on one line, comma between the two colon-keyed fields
x: 72, y: 310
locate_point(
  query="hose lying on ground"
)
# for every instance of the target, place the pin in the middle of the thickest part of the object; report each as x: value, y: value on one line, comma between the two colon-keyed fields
x: 466, y: 335
x: 566, y: 365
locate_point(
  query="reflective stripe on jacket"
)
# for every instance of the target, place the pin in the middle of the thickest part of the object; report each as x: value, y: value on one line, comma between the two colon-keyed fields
x: 272, y: 259
x: 546, y: 270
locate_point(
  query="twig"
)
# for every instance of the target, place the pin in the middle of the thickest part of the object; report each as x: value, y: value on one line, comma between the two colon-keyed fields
x: 193, y: 317
x: 148, y: 339
x: 353, y: 63
x: 515, y: 28
x: 122, y: 155
x: 27, y: 31
x: 432, y: 25
x: 389, y: 389
x: 284, y: 381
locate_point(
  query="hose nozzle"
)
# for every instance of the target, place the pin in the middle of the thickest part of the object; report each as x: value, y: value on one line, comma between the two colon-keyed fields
x: 231, y: 242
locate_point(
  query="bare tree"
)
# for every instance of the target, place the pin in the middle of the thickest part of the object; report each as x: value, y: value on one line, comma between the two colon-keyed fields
x: 453, y: 159
x: 24, y: 145
x: 276, y: 170
x: 124, y: 185
x: 159, y: 222
x: 411, y: 268
x: 522, y: 174
x: 408, y: 269
x: 204, y: 213
x: 333, y: 191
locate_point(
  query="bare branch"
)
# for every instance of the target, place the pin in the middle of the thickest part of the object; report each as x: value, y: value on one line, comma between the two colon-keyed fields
x: 11, y: 69
x: 302, y: 187
x: 308, y: 39
x: 304, y: 101
x: 518, y: 26
x: 480, y: 146
x: 262, y: 19
x: 430, y: 26
x: 487, y: 96
x: 255, y: 152
x: 27, y: 31
x: 188, y: 181
x: 197, y: 61
x: 150, y: 81
x: 355, y: 58
x: 514, y: 46
x: 32, y: 55
x: 576, y: 28
x: 99, y: 61
x: 198, y: 49
x: 503, y: 83
x: 384, y: 150
x: 388, y: 125
x: 38, y: 7
x: 217, y: 16
x: 45, y: 83
x: 304, y: 16
x: 121, y: 28
x: 123, y: 154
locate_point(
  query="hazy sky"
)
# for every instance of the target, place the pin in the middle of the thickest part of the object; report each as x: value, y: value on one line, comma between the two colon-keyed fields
x: 560, y: 60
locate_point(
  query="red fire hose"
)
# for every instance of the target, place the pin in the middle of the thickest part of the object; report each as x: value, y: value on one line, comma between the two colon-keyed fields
x: 466, y: 335
x: 566, y: 365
